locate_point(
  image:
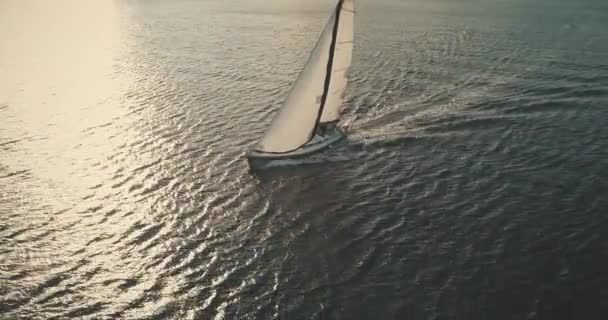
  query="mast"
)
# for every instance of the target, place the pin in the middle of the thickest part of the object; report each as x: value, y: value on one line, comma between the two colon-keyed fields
x: 330, y: 62
x: 342, y: 60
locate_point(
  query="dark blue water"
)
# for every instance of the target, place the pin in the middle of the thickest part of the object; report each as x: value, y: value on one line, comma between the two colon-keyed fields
x: 472, y: 184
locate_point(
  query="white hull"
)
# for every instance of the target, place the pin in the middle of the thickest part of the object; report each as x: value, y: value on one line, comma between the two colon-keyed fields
x: 316, y: 144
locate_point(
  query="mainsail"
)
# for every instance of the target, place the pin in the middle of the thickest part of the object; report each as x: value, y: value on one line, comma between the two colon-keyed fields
x: 318, y: 93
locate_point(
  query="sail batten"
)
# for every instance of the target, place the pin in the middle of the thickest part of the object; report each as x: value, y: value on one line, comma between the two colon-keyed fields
x: 312, y: 100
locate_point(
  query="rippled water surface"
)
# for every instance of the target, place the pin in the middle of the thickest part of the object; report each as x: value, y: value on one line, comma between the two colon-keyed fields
x: 472, y: 184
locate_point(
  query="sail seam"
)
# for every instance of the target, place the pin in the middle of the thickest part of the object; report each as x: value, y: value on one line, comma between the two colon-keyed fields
x: 330, y: 63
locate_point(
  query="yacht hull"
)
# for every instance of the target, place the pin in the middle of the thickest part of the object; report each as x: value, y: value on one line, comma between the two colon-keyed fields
x: 317, y: 144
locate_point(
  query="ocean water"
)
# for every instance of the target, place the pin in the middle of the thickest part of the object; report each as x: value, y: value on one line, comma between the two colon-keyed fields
x: 472, y: 184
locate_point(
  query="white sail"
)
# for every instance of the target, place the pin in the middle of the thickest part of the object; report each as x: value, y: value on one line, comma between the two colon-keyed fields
x: 316, y: 95
x: 341, y: 64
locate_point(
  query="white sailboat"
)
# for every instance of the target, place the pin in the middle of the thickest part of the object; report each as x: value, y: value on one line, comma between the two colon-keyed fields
x: 307, y: 121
